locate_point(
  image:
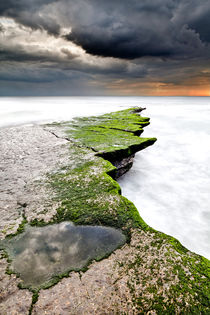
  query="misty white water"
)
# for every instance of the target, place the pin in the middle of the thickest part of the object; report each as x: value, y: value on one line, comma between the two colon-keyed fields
x: 170, y: 181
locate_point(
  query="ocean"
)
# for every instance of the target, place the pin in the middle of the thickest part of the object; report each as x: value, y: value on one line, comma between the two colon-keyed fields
x: 170, y: 181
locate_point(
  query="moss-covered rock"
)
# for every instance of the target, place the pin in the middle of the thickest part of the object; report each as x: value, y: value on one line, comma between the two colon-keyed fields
x: 153, y: 273
x: 86, y: 191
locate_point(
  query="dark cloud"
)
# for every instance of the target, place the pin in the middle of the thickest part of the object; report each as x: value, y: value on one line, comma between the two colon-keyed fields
x: 125, y: 29
x: 27, y: 65
x: 120, y: 29
x: 35, y: 74
x: 19, y: 55
x: 195, y: 14
x: 30, y: 13
x: 1, y: 28
x: 47, y: 81
x: 134, y: 29
x: 122, y: 44
x: 148, y: 40
x: 202, y: 26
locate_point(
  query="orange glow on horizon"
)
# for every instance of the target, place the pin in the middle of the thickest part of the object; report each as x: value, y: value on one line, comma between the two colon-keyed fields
x: 194, y: 87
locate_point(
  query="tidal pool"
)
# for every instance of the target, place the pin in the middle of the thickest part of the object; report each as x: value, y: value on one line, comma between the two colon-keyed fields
x: 41, y: 253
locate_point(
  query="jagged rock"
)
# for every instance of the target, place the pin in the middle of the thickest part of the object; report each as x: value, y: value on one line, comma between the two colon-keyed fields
x: 65, y: 172
x: 123, y: 165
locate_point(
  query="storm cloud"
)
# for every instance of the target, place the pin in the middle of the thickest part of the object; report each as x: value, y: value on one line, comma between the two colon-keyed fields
x: 120, y: 29
x: 30, y: 13
x: 104, y: 41
x: 133, y: 29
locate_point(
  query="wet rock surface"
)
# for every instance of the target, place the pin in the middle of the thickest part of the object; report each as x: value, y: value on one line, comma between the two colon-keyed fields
x: 58, y: 173
x: 12, y: 299
x: 27, y: 155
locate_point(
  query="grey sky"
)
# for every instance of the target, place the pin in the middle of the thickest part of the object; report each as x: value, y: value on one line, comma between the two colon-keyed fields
x: 98, y: 47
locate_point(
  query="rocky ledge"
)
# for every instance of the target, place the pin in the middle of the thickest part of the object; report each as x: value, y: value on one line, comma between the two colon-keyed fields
x: 66, y: 172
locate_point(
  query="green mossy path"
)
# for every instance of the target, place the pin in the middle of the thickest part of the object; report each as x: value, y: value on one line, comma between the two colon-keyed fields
x: 163, y: 277
x: 87, y: 193
x: 113, y: 136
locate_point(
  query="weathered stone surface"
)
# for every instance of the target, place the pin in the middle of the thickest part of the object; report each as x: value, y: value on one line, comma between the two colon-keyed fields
x: 27, y: 155
x: 61, y: 172
x: 131, y: 281
x: 12, y: 300
x: 123, y: 165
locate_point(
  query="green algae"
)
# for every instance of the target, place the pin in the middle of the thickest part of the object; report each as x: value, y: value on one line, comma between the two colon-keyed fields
x: 86, y: 191
x: 88, y: 195
x: 99, y: 200
x: 188, y: 276
x: 113, y: 136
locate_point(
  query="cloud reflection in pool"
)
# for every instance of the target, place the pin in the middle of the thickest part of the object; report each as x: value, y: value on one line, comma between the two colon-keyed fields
x: 40, y: 253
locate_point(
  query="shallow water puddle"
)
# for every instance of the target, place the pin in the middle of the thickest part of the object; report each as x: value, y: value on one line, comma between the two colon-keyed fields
x: 40, y: 253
